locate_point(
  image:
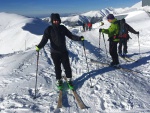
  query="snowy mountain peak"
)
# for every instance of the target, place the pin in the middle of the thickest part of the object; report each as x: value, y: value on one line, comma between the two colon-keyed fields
x: 137, y: 5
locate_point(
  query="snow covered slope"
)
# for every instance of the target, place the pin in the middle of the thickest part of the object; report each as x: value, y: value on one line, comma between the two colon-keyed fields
x: 18, y: 32
x: 115, y: 91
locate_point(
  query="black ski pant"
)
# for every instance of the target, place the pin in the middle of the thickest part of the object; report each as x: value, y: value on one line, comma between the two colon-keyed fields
x: 58, y: 59
x: 113, y: 51
x: 123, y: 42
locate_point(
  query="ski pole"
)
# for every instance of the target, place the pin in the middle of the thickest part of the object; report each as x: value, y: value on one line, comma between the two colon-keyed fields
x: 87, y: 63
x: 101, y: 24
x: 36, y: 73
x: 99, y: 41
x: 139, y: 46
x: 105, y: 45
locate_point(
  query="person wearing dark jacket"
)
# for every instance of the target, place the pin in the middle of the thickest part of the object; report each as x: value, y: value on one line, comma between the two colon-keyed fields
x: 125, y: 37
x: 56, y: 34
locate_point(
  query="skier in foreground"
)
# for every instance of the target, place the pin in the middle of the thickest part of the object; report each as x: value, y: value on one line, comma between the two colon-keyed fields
x: 112, y: 32
x: 56, y: 34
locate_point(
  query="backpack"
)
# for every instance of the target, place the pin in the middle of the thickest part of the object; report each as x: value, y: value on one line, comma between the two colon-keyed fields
x: 123, y: 32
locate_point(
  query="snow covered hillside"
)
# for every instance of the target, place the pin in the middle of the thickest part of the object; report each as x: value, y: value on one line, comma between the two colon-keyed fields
x: 114, y: 90
x: 16, y: 32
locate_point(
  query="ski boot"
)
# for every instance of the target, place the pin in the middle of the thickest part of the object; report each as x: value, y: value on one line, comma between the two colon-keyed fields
x: 59, y: 84
x: 115, y: 65
x: 70, y: 85
x: 124, y: 55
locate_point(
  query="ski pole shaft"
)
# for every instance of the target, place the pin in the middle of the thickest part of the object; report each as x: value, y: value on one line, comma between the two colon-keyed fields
x: 36, y: 74
x: 87, y: 63
x: 99, y: 41
x: 139, y: 46
x: 105, y: 45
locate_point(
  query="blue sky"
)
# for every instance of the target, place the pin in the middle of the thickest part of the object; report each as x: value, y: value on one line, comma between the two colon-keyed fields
x: 46, y: 7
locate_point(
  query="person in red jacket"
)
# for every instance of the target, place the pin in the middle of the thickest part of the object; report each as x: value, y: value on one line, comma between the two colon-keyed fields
x: 89, y: 26
x: 56, y: 34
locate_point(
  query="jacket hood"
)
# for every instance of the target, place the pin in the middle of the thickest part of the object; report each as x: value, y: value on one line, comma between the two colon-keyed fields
x: 55, y: 16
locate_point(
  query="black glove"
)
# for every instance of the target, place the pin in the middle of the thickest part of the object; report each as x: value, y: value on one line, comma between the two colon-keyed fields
x: 100, y: 30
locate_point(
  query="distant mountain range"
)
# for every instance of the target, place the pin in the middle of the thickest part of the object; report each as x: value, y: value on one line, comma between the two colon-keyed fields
x: 95, y: 16
x: 79, y: 19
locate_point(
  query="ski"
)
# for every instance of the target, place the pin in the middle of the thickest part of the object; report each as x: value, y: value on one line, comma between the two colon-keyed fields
x: 123, y: 58
x: 78, y: 99
x: 121, y: 68
x: 106, y: 64
x: 128, y: 59
x: 99, y: 62
x: 59, y: 103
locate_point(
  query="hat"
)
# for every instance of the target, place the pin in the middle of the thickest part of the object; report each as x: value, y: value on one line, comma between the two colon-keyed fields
x: 55, y: 16
x: 123, y: 20
x: 110, y: 16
